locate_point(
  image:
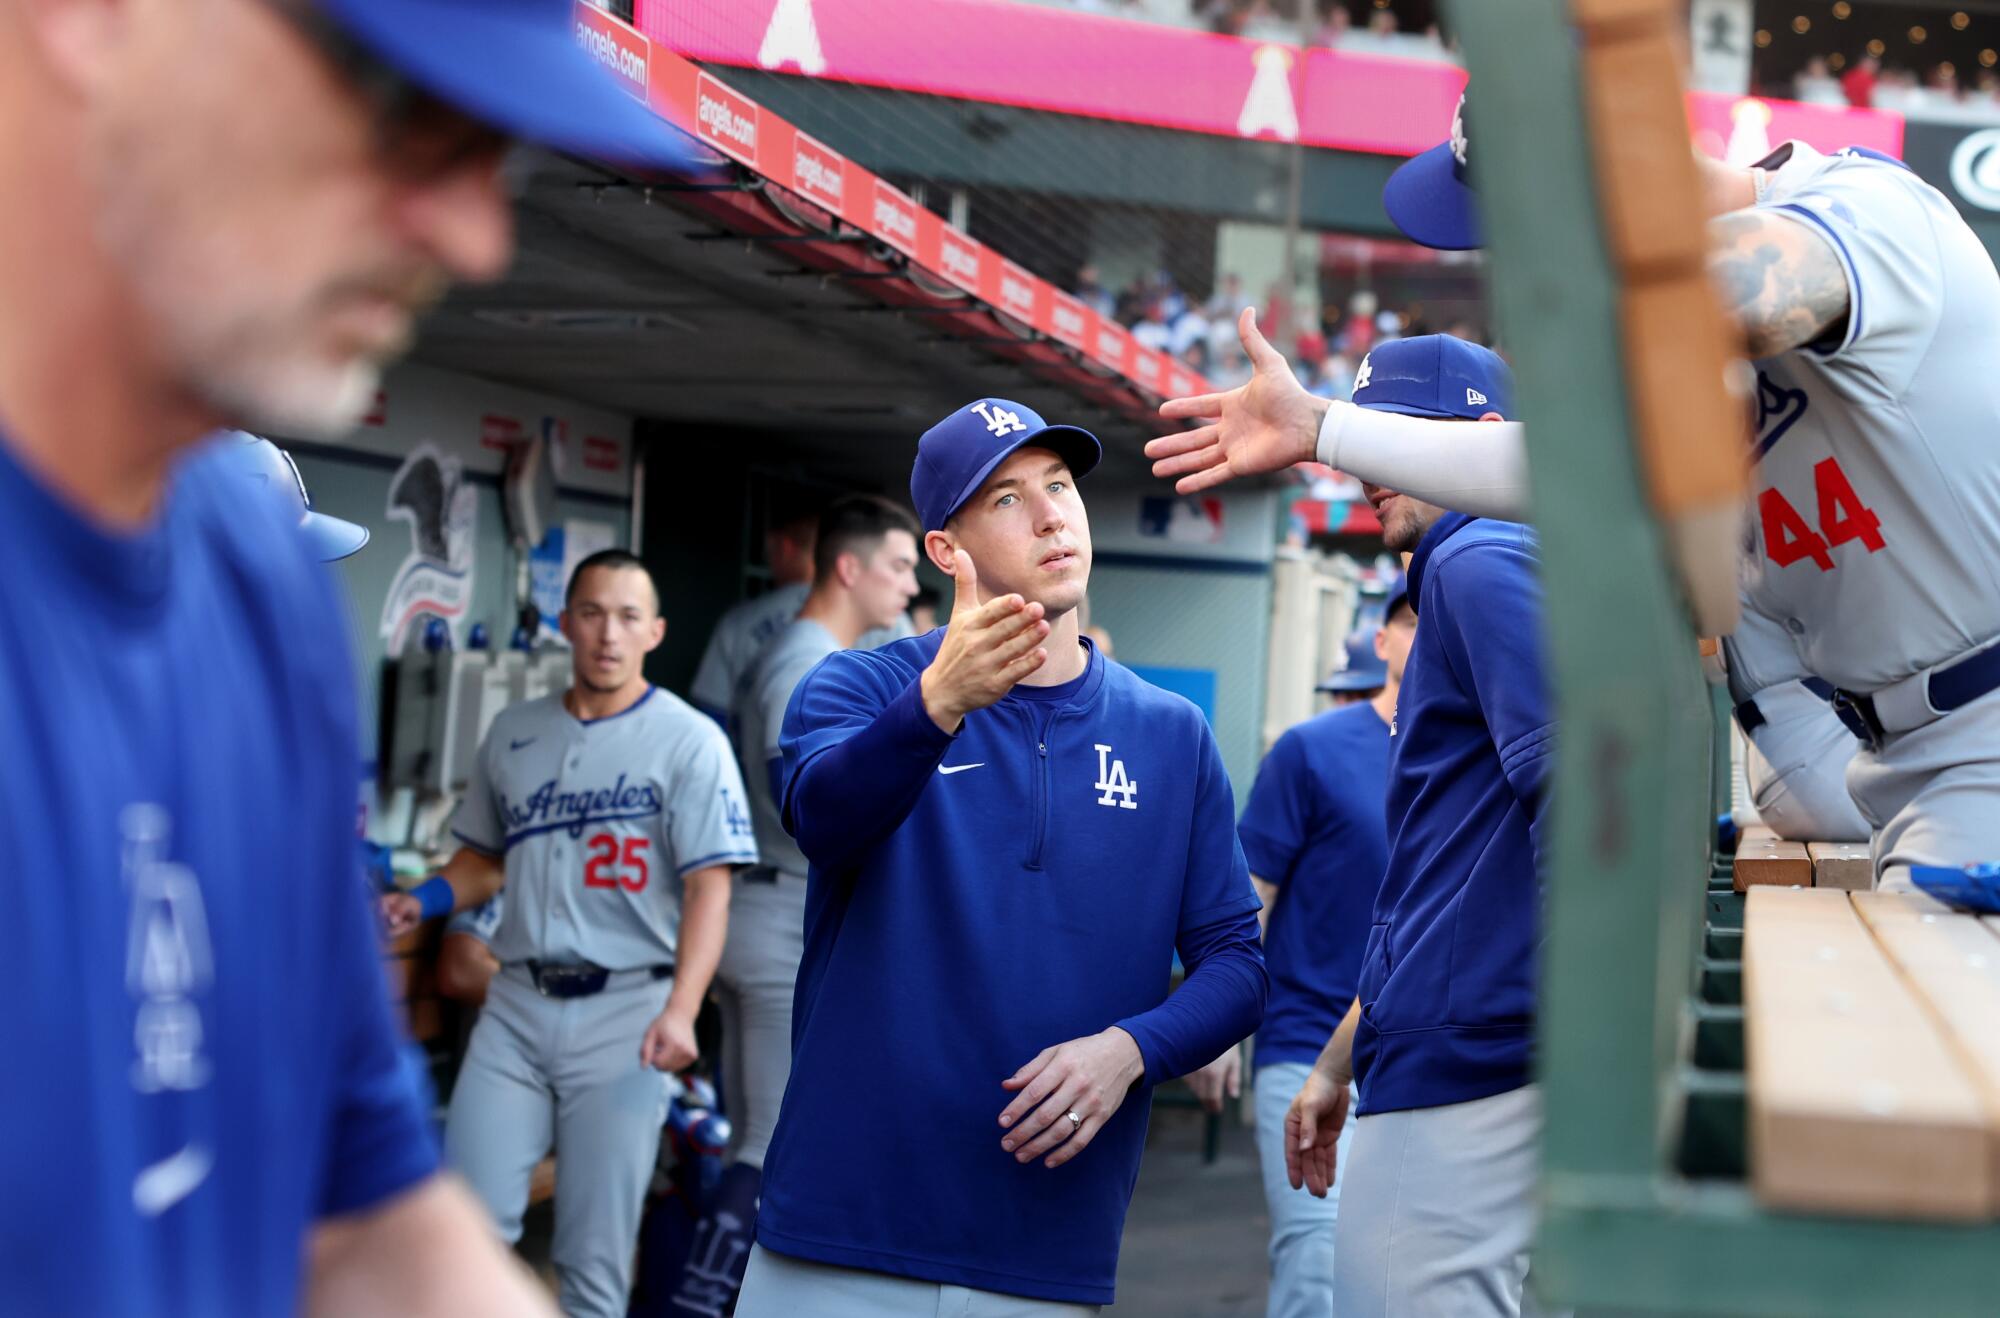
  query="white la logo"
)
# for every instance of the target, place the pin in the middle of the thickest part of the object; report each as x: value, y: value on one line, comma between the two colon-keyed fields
x: 1361, y: 376
x: 999, y: 420
x: 1113, y: 782
x: 792, y: 38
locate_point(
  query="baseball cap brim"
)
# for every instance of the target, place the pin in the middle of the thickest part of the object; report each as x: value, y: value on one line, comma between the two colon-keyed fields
x: 1411, y: 409
x: 1428, y: 202
x: 1340, y: 683
x: 331, y: 538
x: 1073, y: 444
x: 516, y: 68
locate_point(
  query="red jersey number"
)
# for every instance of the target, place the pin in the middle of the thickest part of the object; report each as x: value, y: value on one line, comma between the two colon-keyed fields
x: 616, y: 863
x: 1842, y: 517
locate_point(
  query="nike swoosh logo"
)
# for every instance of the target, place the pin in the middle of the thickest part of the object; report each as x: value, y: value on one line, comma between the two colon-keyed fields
x: 171, y: 1180
x: 517, y: 745
x: 949, y: 769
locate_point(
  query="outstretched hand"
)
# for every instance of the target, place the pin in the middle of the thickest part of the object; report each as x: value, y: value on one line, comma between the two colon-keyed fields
x: 987, y: 649
x: 1263, y: 426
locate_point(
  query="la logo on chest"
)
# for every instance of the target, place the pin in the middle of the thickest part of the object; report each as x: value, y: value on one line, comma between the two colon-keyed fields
x: 1114, y: 786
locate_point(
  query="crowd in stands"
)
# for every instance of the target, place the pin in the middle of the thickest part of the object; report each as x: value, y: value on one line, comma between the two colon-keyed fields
x: 1943, y: 92
x: 1329, y: 23
x: 1325, y: 349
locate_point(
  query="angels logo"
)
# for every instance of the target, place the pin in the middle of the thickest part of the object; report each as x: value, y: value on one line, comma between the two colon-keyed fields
x: 792, y: 38
x: 1270, y: 107
x: 431, y: 494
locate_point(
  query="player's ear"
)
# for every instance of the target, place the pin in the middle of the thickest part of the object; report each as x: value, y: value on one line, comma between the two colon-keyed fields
x: 941, y: 547
x: 659, y: 633
x: 1382, y: 644
x: 847, y: 567
x: 1492, y: 416
x: 563, y: 624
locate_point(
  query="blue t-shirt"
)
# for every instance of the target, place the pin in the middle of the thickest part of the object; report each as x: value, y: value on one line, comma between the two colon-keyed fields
x: 1313, y: 828
x: 1448, y: 977
x: 201, y: 1058
x: 972, y: 900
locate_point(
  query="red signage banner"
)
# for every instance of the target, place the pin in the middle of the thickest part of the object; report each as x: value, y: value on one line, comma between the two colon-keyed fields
x: 1007, y: 53
x: 737, y: 126
x: 623, y: 52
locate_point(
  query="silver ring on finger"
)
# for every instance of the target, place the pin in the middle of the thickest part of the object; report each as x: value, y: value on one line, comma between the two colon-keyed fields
x: 1075, y: 1121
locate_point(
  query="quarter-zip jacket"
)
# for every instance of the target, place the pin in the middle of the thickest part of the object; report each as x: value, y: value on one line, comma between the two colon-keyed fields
x: 1448, y: 976
x: 972, y: 900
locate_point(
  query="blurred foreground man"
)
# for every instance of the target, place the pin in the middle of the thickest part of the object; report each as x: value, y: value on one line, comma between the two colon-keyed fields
x: 222, y: 212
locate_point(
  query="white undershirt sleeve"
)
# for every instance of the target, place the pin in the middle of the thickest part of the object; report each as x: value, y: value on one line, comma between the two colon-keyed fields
x: 1477, y: 468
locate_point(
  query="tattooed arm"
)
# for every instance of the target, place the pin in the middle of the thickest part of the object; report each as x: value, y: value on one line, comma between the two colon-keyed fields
x: 1779, y: 278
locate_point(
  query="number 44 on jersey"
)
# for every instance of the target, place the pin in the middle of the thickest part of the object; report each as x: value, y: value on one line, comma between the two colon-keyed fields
x: 1842, y: 517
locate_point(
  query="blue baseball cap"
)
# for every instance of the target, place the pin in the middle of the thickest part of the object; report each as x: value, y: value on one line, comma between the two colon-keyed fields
x: 1399, y: 593
x: 276, y: 477
x: 1360, y: 669
x: 514, y: 65
x: 957, y: 455
x: 1430, y: 196
x: 1435, y: 375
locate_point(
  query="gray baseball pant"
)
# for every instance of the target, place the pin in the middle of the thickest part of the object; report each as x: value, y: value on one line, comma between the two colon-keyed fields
x: 1438, y: 1211
x: 776, y: 1286
x: 1932, y: 794
x: 564, y: 1072
x: 753, y: 990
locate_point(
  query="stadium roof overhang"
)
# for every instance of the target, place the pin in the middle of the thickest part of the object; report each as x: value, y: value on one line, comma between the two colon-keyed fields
x: 809, y: 298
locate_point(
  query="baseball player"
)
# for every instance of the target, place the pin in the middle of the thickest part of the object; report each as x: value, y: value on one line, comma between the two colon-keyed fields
x: 1009, y: 837
x: 1867, y: 303
x: 1314, y: 835
x: 865, y: 563
x: 743, y: 631
x: 1438, y: 1204
x: 614, y: 815
x: 222, y: 213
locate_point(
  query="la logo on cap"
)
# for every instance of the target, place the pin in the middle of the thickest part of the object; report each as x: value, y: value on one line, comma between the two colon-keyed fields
x: 1473, y: 398
x: 1367, y: 368
x: 1000, y: 421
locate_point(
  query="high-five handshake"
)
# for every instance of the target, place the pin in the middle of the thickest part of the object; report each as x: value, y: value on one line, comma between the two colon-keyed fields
x: 1263, y: 426
x: 987, y: 649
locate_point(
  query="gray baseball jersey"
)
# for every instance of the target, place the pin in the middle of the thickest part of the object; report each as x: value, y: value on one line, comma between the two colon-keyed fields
x: 758, y: 718
x: 741, y: 635
x: 1875, y: 538
x: 598, y: 822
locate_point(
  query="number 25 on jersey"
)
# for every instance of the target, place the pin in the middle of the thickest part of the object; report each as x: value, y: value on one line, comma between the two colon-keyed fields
x: 1842, y: 517
x: 615, y: 862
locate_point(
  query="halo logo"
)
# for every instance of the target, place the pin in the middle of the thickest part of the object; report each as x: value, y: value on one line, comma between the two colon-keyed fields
x: 1975, y: 169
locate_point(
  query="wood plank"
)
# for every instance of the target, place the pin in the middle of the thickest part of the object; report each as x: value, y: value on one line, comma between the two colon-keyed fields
x: 1953, y: 965
x: 1762, y: 857
x: 1845, y: 865
x: 1857, y: 1103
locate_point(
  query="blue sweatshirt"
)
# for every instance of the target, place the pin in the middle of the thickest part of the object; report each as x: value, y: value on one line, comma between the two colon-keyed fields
x: 1313, y: 828
x: 215, y: 1067
x: 972, y: 900
x: 1448, y: 978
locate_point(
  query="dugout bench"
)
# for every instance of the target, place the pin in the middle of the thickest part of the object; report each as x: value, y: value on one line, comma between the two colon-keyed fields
x: 1594, y: 246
